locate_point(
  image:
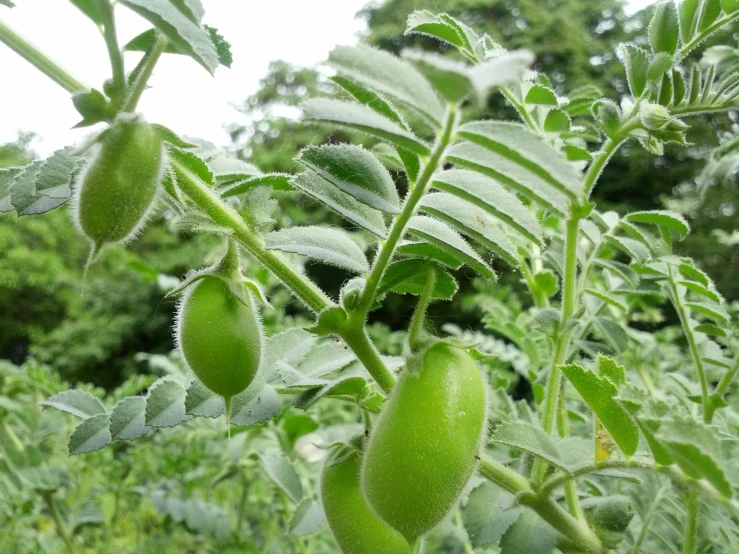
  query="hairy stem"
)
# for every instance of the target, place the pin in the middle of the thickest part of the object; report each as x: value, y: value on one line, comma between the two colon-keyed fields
x: 682, y: 314
x: 419, y: 315
x: 356, y: 338
x: 718, y: 395
x: 114, y: 51
x: 648, y: 518
x: 691, y: 523
x: 224, y: 215
x: 39, y: 60
x: 61, y: 527
x: 385, y: 254
x: 685, y: 50
x: 139, y: 85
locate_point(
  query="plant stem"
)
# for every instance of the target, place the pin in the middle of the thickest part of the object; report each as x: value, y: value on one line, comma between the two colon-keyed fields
x: 685, y: 50
x: 224, y: 215
x: 691, y: 523
x: 114, y: 51
x: 540, y: 299
x: 10, y: 436
x: 718, y: 395
x: 419, y: 315
x: 505, y: 478
x: 520, y: 108
x: 552, y: 395
x: 576, y: 532
x: 397, y: 230
x: 139, y: 85
x: 571, y: 495
x: 459, y: 523
x: 61, y: 527
x: 677, y: 302
x: 647, y: 521
x: 39, y: 60
x: 356, y: 338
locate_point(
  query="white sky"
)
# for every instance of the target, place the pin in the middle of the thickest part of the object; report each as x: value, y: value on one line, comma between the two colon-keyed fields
x: 183, y: 96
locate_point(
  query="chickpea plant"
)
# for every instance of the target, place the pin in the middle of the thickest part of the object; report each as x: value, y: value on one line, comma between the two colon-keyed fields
x: 576, y: 471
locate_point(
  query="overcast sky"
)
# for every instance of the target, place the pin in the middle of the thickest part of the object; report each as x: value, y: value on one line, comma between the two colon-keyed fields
x: 183, y: 95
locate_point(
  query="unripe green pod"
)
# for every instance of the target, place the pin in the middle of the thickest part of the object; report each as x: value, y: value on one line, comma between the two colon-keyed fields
x: 422, y: 451
x: 116, y: 192
x: 219, y: 335
x: 356, y: 528
x: 610, y: 519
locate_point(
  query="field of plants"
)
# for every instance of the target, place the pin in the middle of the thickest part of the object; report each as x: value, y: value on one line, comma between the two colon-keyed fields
x: 482, y: 296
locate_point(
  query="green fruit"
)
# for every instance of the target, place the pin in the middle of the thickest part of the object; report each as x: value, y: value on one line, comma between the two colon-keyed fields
x: 220, y: 336
x: 610, y: 519
x: 116, y: 192
x: 356, y: 528
x: 422, y: 451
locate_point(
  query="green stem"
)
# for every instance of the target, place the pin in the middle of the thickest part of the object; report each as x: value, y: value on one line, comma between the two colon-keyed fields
x: 61, y: 527
x: 576, y: 532
x: 521, y: 109
x: 416, y: 326
x: 718, y: 395
x: 39, y: 60
x: 222, y: 214
x: 114, y: 51
x: 540, y: 299
x: 10, y: 436
x: 397, y: 230
x: 571, y: 495
x: 139, y: 85
x: 502, y: 476
x: 648, y: 518
x: 685, y: 50
x: 691, y: 523
x: 459, y: 523
x: 356, y: 338
x: 677, y: 302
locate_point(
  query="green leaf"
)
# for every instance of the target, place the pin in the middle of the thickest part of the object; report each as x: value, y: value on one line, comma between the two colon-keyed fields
x: 275, y: 181
x: 283, y: 473
x: 701, y: 290
x: 370, y: 99
x: 257, y: 404
x: 444, y: 28
x: 345, y: 205
x: 541, y: 95
x: 439, y: 234
x: 692, y: 272
x: 730, y: 6
x: 609, y: 298
x: 93, y: 107
x: 487, y: 194
x: 636, y: 60
x: 709, y: 310
x: 307, y: 518
x: 623, y: 271
x: 76, y: 402
x: 608, y: 368
x: 326, y: 245
x: 7, y: 180
x: 632, y: 248
x: 668, y: 220
x: 608, y: 115
x: 710, y: 13
x: 614, y: 332
x: 187, y: 35
x: 363, y: 119
x: 144, y: 42
x: 710, y: 330
x: 558, y: 121
x: 687, y: 11
x: 697, y: 451
x: 424, y: 250
x: 528, y: 151
x: 388, y: 75
x: 664, y: 30
x: 526, y: 437
x: 449, y: 77
x: 344, y: 386
x: 598, y: 393
x: 128, y: 420
x: 90, y: 435
x: 201, y: 401
x: 528, y: 535
x: 484, y: 517
x: 165, y: 406
x: 193, y: 162
x: 505, y: 68
x: 355, y: 171
x: 91, y: 8
x: 472, y: 221
x: 44, y: 185
x: 490, y: 164
x: 409, y: 277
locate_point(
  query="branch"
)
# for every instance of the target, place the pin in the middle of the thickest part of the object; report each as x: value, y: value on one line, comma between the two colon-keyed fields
x: 139, y: 85
x: 114, y: 51
x: 40, y: 61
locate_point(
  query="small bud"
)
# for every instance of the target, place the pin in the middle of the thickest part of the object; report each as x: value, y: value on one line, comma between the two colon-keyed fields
x: 654, y: 117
